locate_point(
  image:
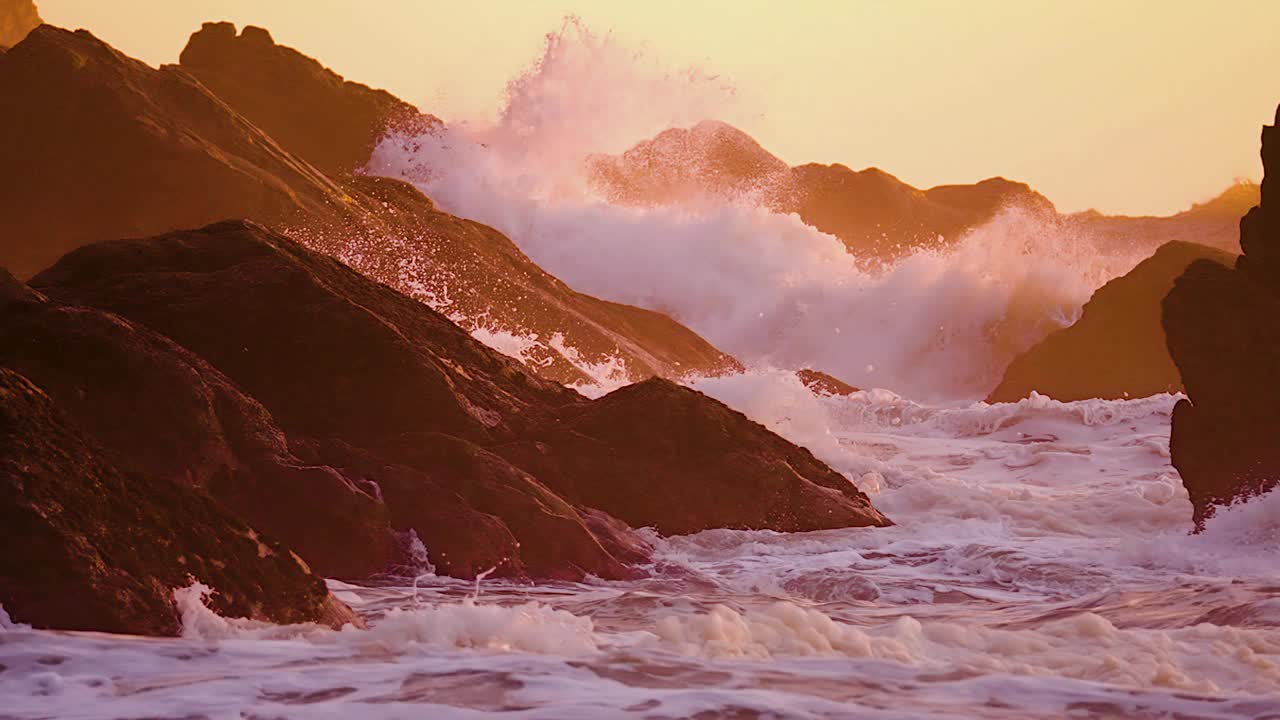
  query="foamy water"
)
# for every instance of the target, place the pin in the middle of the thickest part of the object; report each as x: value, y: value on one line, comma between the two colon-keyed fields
x: 1040, y: 568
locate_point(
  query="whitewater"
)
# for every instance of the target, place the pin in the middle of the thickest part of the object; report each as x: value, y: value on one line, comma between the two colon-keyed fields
x: 1040, y: 568
x: 1040, y: 565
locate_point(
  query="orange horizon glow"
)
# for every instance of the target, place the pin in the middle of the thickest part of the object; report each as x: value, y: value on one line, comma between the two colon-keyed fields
x: 1134, y: 108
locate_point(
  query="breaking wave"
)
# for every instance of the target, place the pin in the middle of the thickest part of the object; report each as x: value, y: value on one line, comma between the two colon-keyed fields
x: 762, y: 286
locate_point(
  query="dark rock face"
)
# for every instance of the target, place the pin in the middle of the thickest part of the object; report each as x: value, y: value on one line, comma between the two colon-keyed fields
x: 487, y: 463
x: 310, y: 110
x: 124, y: 150
x: 1117, y: 348
x: 360, y: 379
x: 91, y: 547
x: 1222, y: 336
x: 173, y: 417
x: 659, y: 455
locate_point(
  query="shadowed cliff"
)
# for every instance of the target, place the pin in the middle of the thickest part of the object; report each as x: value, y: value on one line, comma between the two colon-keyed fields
x: 1222, y: 334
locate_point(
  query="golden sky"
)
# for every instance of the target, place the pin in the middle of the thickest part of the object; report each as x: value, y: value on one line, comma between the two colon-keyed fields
x: 1133, y: 106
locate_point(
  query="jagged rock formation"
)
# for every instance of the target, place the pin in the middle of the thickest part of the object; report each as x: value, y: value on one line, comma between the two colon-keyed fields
x: 92, y: 547
x: 821, y: 383
x: 875, y: 214
x: 1222, y: 335
x: 478, y: 277
x: 125, y: 150
x: 174, y: 418
x: 348, y: 443
x: 114, y: 148
x: 878, y: 215
x: 17, y: 18
x: 1117, y: 347
x: 660, y: 455
x: 487, y: 463
x: 310, y: 110
x: 871, y: 211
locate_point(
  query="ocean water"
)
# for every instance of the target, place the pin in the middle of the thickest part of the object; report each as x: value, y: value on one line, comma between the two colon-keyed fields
x: 1040, y: 568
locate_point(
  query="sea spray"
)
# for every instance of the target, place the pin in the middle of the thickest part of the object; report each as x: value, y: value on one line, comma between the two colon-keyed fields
x: 772, y: 291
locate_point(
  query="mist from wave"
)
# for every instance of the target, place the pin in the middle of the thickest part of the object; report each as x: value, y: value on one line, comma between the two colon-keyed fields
x: 765, y: 287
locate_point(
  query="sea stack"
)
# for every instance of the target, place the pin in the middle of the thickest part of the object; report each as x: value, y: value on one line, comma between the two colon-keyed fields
x: 1221, y: 327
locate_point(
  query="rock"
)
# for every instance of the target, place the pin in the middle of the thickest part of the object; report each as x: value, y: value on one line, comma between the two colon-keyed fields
x: 362, y: 378
x: 173, y: 417
x: 482, y: 281
x: 876, y: 215
x: 17, y: 18
x: 114, y: 148
x: 358, y: 377
x: 125, y: 150
x: 104, y: 550
x: 310, y: 110
x: 711, y: 158
x: 1219, y: 322
x: 871, y: 211
x: 1117, y: 348
x: 334, y: 124
x: 522, y: 528
x: 656, y: 454
x: 824, y: 384
x: 329, y: 352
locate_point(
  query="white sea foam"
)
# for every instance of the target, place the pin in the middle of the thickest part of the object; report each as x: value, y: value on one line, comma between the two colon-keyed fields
x: 1040, y: 556
x: 527, y: 627
x: 7, y: 623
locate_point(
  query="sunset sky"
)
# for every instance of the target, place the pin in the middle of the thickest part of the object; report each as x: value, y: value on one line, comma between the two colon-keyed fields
x: 1133, y: 107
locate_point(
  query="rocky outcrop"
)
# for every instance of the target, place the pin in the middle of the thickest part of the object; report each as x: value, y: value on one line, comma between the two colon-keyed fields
x: 1222, y: 335
x: 369, y: 418
x: 679, y: 164
x: 114, y: 148
x: 1117, y: 348
x: 310, y: 110
x: 174, y: 418
x: 482, y: 281
x: 489, y: 464
x: 125, y: 150
x: 821, y: 383
x: 17, y: 18
x: 872, y: 212
x: 659, y: 455
x: 92, y: 547
x: 876, y: 215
